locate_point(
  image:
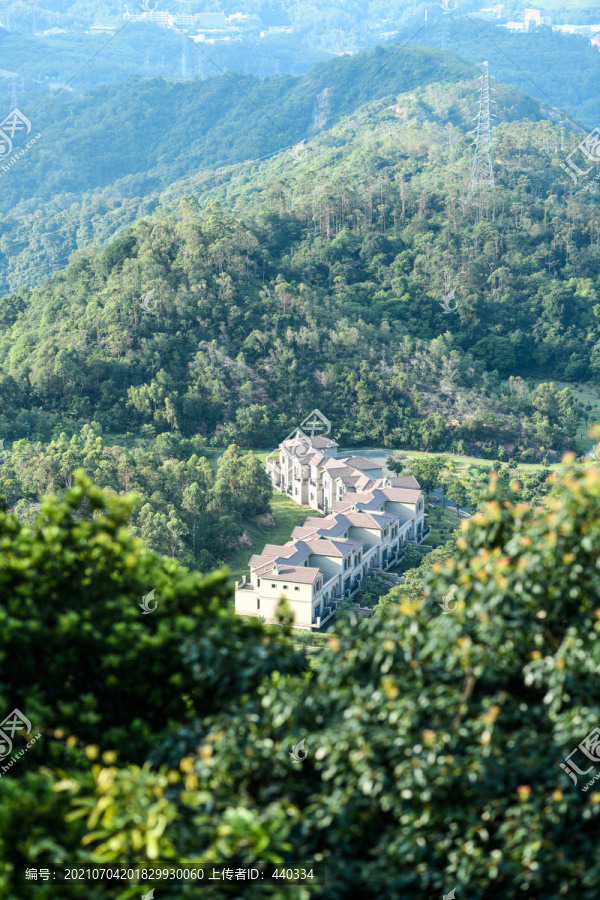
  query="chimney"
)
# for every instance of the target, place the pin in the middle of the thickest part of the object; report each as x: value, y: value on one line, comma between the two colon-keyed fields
x: 276, y: 568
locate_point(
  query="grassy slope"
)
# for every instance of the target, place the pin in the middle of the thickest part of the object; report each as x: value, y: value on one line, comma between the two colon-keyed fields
x: 287, y: 515
x: 448, y: 520
x: 461, y: 462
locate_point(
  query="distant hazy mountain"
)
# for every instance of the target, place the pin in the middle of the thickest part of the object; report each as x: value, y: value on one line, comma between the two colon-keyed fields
x: 104, y: 158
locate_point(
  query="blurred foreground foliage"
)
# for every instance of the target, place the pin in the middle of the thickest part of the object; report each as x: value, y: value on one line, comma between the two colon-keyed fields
x: 434, y: 741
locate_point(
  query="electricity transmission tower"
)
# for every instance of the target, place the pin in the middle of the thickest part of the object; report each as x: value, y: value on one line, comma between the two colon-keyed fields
x: 483, y: 173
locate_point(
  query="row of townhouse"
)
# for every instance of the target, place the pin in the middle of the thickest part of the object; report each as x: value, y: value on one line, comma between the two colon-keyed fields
x: 368, y: 521
x: 309, y: 471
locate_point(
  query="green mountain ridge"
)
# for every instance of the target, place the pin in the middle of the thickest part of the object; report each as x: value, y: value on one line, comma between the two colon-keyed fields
x: 122, y: 153
x: 31, y: 246
x: 316, y: 279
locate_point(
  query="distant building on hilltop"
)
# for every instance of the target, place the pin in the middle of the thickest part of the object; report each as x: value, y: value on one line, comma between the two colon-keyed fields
x: 217, y: 20
x: 94, y: 29
x: 578, y: 29
x: 534, y: 18
x: 538, y: 17
x: 515, y: 26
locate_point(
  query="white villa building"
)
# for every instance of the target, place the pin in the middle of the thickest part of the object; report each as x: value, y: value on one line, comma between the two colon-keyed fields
x: 368, y: 519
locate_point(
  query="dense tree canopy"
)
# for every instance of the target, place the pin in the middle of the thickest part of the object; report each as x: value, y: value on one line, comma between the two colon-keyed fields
x: 184, y: 507
x: 434, y: 740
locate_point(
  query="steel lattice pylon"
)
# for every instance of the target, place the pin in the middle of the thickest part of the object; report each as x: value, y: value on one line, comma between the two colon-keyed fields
x: 483, y: 172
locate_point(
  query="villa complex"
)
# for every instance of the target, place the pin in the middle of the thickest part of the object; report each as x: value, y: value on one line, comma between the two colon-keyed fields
x: 368, y: 519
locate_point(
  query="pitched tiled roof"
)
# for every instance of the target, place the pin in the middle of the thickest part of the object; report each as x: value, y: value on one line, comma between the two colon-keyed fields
x: 349, y: 480
x: 258, y: 560
x: 361, y: 462
x: 405, y: 481
x: 364, y: 483
x: 292, y: 553
x: 332, y: 546
x: 331, y: 524
x: 402, y: 495
x: 332, y: 463
x: 302, y: 531
x: 368, y: 500
x: 318, y: 441
x: 306, y: 457
x: 284, y: 550
x: 371, y: 520
x: 294, y: 574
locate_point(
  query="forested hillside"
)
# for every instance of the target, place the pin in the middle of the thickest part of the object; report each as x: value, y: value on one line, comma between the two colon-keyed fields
x: 78, y: 185
x: 362, y: 238
x: 251, y: 324
x: 149, y: 132
x: 323, y: 285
